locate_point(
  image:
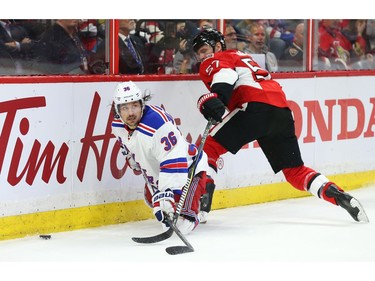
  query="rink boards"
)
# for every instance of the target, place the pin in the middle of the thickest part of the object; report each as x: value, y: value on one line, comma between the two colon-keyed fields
x: 60, y: 167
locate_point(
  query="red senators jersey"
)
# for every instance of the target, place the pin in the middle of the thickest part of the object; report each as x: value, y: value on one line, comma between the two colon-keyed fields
x: 333, y: 44
x: 251, y: 82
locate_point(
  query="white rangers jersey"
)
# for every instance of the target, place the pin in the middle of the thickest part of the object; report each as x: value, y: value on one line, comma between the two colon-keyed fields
x: 159, y: 148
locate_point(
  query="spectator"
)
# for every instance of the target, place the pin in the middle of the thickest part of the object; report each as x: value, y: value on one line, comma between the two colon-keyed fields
x: 131, y: 49
x: 335, y: 51
x: 230, y: 36
x: 34, y: 28
x: 92, y: 35
x: 131, y: 44
x: 244, y: 25
x: 89, y: 35
x: 370, y: 43
x: 151, y: 34
x: 355, y: 32
x: 60, y: 51
x: 161, y: 53
x: 184, y: 59
x: 292, y: 59
x: 205, y: 24
x: 16, y: 47
x: 280, y: 36
x: 257, y: 45
x: 370, y: 35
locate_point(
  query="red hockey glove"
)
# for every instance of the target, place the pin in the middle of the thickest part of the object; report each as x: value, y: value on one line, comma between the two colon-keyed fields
x: 163, y: 204
x: 211, y: 107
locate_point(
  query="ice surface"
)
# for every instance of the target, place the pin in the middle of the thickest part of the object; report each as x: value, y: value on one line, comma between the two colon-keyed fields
x: 305, y: 238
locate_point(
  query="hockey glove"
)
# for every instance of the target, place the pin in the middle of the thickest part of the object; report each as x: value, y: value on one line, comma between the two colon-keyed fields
x: 211, y: 107
x: 163, y: 204
x: 133, y: 165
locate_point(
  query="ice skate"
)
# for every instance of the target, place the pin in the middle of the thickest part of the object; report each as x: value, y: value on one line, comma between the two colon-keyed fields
x: 186, y: 224
x: 348, y: 202
x: 205, y: 202
x: 202, y: 217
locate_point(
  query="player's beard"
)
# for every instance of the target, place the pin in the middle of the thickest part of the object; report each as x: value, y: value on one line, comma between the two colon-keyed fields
x: 132, y: 121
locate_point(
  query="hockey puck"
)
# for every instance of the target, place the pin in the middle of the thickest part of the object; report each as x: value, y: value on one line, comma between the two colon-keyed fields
x: 45, y: 237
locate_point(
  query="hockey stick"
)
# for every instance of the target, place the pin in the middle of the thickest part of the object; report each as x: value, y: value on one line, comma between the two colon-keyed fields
x: 149, y: 239
x: 154, y: 239
x: 191, y: 173
x: 158, y: 237
x: 176, y: 250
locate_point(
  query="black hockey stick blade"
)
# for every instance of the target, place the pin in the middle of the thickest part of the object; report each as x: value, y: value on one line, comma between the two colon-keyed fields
x: 154, y: 239
x: 176, y: 250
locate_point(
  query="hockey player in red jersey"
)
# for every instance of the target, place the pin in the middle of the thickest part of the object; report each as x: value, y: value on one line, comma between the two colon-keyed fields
x: 258, y: 110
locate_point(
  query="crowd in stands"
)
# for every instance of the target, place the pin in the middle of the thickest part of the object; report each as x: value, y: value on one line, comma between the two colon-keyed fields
x: 49, y: 47
x: 344, y: 44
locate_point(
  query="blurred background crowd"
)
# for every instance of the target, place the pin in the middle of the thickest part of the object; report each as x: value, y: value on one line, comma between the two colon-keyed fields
x: 147, y: 46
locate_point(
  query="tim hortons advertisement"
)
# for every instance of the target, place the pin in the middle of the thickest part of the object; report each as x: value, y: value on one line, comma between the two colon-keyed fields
x: 57, y: 150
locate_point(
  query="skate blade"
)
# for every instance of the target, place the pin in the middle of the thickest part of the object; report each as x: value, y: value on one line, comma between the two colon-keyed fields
x: 361, y: 216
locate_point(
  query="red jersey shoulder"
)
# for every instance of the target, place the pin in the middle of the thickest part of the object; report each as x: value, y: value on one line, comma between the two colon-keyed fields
x: 229, y: 55
x: 231, y: 58
x: 216, y: 61
x: 225, y: 59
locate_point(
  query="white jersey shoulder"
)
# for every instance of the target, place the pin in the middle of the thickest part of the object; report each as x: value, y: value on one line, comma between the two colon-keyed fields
x: 158, y: 147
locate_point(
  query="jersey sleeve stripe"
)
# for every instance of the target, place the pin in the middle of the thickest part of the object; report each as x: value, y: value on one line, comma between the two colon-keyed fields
x: 147, y: 130
x: 174, y: 171
x: 150, y: 134
x: 174, y: 160
x: 118, y: 124
x: 177, y: 165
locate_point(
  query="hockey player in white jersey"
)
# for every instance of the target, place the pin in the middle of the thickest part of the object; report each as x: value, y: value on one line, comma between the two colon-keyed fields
x: 152, y: 142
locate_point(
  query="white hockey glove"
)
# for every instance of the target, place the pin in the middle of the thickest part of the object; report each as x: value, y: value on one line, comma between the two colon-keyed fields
x: 133, y: 165
x: 163, y: 203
